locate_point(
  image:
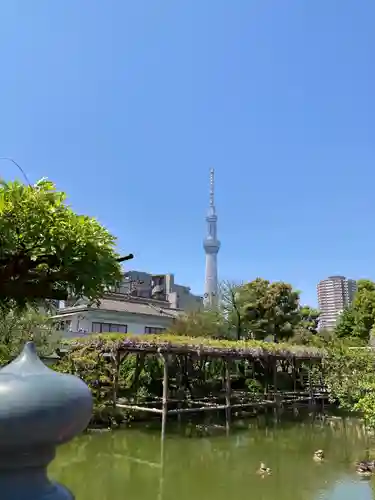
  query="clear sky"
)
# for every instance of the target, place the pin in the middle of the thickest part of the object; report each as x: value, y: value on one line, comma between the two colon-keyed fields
x: 127, y: 104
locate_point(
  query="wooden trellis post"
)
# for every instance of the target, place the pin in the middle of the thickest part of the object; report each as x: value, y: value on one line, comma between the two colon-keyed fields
x: 275, y: 395
x: 311, y: 390
x: 180, y: 390
x: 164, y: 415
x: 116, y: 371
x: 274, y: 366
x: 227, y: 395
x: 294, y: 370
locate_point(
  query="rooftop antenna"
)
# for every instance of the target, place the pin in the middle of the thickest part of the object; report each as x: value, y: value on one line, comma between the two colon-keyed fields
x: 212, y: 187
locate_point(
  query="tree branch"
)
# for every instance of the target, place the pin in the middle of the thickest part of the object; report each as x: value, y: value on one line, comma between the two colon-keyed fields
x: 130, y: 256
x: 14, y: 290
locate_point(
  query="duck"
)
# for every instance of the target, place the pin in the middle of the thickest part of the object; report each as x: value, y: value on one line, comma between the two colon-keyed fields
x: 365, y: 468
x: 263, y: 470
x: 318, y: 456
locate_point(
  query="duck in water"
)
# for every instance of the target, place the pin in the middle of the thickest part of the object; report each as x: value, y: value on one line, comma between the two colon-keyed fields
x: 365, y: 468
x: 263, y: 470
x: 318, y: 456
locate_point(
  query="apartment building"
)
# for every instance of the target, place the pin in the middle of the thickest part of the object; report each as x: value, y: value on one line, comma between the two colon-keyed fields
x: 335, y: 293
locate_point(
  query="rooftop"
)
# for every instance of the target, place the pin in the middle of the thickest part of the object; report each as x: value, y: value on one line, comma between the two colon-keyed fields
x: 124, y: 306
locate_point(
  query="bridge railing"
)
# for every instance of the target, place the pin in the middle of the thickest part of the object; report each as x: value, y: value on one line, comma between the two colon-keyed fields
x: 39, y: 410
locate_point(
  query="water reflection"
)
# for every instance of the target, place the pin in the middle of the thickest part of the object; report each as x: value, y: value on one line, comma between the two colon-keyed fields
x: 348, y: 488
x: 131, y: 464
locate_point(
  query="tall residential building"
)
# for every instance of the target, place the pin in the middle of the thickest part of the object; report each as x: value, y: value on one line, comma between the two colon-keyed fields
x: 334, y: 294
x: 211, y: 247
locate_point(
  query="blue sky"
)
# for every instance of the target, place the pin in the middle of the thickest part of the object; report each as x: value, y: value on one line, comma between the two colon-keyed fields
x: 126, y: 106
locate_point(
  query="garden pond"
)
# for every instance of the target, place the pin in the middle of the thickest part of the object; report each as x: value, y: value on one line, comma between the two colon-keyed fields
x: 132, y: 464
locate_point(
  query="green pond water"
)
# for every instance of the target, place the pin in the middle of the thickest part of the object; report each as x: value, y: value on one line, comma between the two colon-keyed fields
x: 131, y: 464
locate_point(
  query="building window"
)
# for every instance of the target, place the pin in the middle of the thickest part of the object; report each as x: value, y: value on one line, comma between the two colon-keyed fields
x: 154, y: 329
x: 64, y: 325
x: 108, y: 328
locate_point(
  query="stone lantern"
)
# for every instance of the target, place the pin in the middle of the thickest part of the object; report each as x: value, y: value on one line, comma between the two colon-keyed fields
x: 39, y: 410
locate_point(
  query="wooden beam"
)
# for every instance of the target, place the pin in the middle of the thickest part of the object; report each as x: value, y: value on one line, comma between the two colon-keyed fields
x: 139, y: 408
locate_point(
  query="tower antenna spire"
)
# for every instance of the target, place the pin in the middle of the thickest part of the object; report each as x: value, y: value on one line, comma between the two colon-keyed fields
x: 212, y: 187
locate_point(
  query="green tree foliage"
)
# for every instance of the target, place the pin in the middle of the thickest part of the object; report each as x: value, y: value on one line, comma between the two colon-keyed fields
x: 269, y: 308
x: 205, y: 323
x: 232, y: 310
x: 16, y: 328
x: 49, y: 252
x: 359, y: 318
x: 309, y: 319
x: 364, y: 309
x: 372, y: 337
x: 306, y: 327
x: 346, y: 323
x: 348, y: 373
x: 252, y: 310
x: 98, y: 373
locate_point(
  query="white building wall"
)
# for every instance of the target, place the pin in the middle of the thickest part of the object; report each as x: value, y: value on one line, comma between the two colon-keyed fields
x: 82, y: 322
